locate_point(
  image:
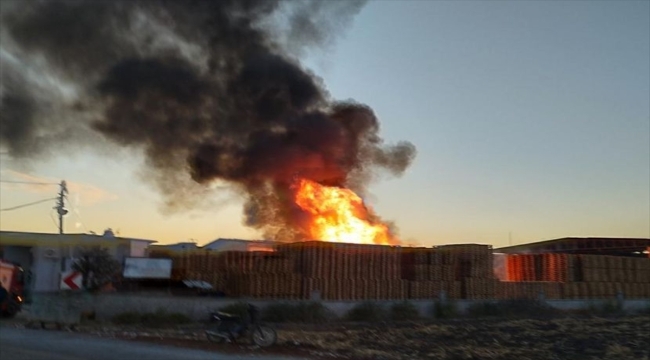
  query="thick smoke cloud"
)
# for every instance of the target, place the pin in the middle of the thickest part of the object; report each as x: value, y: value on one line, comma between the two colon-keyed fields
x: 206, y: 89
x: 16, y: 116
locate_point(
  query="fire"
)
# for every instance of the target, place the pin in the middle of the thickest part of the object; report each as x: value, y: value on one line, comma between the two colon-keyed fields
x: 339, y: 215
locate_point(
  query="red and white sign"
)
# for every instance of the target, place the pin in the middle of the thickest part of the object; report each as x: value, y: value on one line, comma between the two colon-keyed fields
x: 71, y: 280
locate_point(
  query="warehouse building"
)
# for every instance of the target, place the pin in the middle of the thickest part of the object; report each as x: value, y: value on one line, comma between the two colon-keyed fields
x: 631, y: 247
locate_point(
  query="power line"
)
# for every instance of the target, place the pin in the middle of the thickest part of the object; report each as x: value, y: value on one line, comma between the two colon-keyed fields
x: 27, y: 182
x: 29, y: 204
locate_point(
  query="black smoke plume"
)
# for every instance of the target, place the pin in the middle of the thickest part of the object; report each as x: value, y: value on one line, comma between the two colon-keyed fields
x: 208, y: 90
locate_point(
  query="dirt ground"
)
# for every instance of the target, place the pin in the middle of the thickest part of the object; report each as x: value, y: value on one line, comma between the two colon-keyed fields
x: 561, y: 338
x: 558, y: 338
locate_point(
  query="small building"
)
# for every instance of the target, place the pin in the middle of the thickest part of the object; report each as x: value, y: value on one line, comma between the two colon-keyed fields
x: 181, y: 246
x: 222, y: 244
x: 44, y: 256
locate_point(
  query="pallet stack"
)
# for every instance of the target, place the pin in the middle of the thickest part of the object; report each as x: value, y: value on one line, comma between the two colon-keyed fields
x: 460, y: 271
x: 529, y: 290
x: 347, y: 271
x: 606, y: 276
x: 274, y: 286
x: 579, y: 276
x: 339, y: 271
x: 427, y: 276
x: 474, y: 270
x: 267, y: 275
x: 538, y: 267
x: 237, y: 273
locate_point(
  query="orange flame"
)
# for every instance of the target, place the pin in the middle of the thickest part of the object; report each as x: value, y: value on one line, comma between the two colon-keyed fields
x: 339, y: 215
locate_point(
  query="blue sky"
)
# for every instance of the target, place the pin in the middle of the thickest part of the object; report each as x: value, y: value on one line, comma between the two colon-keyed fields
x: 530, y: 118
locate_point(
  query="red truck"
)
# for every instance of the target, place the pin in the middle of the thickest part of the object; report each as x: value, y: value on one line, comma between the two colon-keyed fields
x: 11, y: 289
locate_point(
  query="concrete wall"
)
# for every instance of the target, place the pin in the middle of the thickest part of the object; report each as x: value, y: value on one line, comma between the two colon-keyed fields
x: 198, y: 308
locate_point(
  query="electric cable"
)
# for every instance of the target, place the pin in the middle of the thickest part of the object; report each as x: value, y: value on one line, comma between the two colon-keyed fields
x: 26, y: 182
x: 28, y: 204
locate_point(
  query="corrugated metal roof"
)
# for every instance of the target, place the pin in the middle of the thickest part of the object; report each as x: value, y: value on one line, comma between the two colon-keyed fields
x: 222, y: 242
x: 580, y: 245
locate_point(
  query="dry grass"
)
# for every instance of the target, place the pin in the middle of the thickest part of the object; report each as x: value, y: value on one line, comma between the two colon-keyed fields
x: 566, y: 338
x: 562, y: 338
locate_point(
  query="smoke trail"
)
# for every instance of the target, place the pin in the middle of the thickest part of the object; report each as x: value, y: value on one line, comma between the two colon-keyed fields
x: 206, y: 90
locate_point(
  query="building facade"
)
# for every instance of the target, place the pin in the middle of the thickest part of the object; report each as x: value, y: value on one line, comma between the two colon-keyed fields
x: 45, y: 256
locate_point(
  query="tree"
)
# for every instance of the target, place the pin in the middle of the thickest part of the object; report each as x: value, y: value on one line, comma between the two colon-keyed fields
x: 97, y: 266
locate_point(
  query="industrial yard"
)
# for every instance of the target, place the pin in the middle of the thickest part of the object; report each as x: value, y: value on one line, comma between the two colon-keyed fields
x: 339, y: 271
x: 358, y: 180
x: 574, y: 298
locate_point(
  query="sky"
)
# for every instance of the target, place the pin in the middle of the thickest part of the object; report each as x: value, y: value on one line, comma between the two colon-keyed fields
x: 531, y: 121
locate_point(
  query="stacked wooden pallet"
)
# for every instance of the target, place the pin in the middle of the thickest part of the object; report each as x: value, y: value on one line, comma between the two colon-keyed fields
x: 267, y: 275
x: 538, y: 267
x: 355, y: 289
x: 594, y: 290
x: 474, y: 268
x: 606, y: 276
x: 358, y: 272
x: 317, y: 259
x: 267, y: 286
x: 237, y: 273
x: 460, y: 271
x: 582, y: 276
x: 528, y: 290
x: 339, y: 271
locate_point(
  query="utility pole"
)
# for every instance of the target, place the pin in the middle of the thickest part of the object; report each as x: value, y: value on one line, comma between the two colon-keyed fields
x: 60, y: 204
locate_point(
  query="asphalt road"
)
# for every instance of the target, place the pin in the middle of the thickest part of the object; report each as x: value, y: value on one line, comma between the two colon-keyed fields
x: 27, y: 344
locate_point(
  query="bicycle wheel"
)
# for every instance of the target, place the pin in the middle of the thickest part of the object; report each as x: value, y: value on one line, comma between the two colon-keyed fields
x: 264, y: 336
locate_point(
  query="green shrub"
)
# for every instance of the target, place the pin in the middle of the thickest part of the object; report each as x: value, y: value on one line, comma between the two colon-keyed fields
x: 304, y: 312
x: 404, y: 311
x: 159, y: 318
x: 178, y: 318
x: 532, y: 308
x: 367, y: 312
x: 162, y: 318
x: 314, y: 312
x: 604, y: 309
x: 444, y: 310
x: 126, y: 318
x: 485, y: 309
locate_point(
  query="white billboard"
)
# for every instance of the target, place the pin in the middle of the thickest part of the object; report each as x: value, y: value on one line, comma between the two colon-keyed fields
x: 146, y: 268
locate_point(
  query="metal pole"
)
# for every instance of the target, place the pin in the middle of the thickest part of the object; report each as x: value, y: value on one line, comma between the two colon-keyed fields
x: 60, y: 204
